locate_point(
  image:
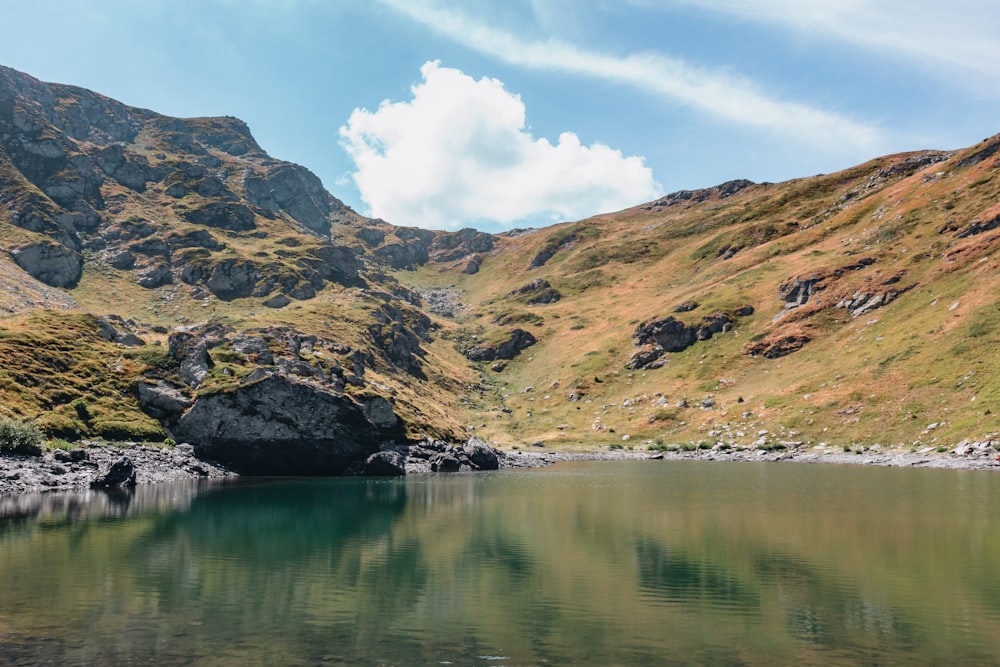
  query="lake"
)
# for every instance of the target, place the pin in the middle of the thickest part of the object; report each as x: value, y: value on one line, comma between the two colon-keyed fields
x: 585, y: 563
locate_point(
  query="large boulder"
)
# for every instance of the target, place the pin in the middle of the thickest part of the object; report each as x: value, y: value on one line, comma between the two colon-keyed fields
x: 282, y: 426
x: 482, y: 456
x: 52, y: 263
x: 117, y: 475
x: 669, y: 333
x: 385, y: 464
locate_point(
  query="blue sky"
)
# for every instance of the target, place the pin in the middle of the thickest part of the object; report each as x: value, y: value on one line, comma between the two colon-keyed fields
x: 528, y: 112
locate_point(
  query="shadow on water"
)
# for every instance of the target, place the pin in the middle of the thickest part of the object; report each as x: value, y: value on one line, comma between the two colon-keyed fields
x: 105, y: 578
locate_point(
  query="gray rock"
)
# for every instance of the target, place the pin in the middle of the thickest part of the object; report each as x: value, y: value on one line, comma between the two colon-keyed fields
x: 649, y: 356
x: 517, y: 341
x: 281, y: 426
x: 449, y: 247
x: 385, y: 464
x: 445, y: 462
x: 162, y: 400
x: 119, y: 474
x: 482, y: 456
x: 52, y: 263
x: 404, y: 255
x: 800, y: 290
x: 113, y: 329
x: 192, y: 354
x: 379, y: 412
x: 277, y: 301
x: 155, y: 275
x: 222, y: 215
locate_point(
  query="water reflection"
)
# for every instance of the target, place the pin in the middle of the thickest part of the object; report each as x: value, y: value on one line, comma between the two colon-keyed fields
x: 629, y: 564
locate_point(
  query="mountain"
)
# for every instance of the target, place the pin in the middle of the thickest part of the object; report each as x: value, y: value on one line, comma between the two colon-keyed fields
x: 166, y: 278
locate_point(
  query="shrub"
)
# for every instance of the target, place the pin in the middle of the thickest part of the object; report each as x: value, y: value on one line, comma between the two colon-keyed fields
x: 20, y: 437
x: 155, y: 356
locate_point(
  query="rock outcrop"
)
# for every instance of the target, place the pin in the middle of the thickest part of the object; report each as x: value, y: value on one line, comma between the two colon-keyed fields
x: 51, y: 263
x: 517, y: 340
x: 658, y: 336
x: 537, y: 292
x: 282, y: 426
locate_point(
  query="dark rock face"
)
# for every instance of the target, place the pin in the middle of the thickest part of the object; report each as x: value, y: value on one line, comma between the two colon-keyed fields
x: 979, y: 226
x: 404, y: 255
x: 281, y: 426
x: 722, y: 191
x: 538, y: 291
x: 300, y: 193
x: 648, y: 356
x: 222, y: 215
x: 518, y: 340
x: 385, y: 464
x: 872, y: 297
x: 120, y: 474
x: 445, y: 462
x: 669, y: 333
x: 656, y: 337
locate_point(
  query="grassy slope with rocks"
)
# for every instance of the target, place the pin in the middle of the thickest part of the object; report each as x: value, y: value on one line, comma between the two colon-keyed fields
x: 873, y: 292
x: 897, y: 343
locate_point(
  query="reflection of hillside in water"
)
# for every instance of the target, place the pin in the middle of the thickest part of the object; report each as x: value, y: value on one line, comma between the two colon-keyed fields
x: 633, y: 563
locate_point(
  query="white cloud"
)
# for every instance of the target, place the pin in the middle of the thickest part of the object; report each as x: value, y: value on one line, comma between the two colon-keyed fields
x: 459, y: 153
x: 725, y: 96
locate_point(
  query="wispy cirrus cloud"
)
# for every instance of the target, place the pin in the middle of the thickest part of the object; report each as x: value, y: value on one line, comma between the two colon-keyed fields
x: 728, y: 97
x: 953, y: 37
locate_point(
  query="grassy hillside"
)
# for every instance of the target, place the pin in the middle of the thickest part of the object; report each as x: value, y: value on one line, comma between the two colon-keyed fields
x: 916, y: 231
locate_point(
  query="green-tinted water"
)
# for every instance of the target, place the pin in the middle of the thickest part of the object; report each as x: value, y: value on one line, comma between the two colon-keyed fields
x: 589, y: 564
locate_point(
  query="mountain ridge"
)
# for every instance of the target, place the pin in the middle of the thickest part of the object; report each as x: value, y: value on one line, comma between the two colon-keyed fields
x: 797, y: 312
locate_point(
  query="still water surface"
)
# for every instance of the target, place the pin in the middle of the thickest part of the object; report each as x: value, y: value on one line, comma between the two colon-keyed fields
x: 596, y: 563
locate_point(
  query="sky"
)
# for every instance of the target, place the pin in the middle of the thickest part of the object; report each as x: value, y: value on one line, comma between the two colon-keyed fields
x: 523, y: 113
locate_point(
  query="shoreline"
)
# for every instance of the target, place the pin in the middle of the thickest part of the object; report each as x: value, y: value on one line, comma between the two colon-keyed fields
x: 984, y: 458
x: 57, y: 470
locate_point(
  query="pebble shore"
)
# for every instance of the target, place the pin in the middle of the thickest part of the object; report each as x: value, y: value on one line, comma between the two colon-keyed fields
x: 64, y: 471
x: 60, y: 470
x: 982, y: 458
